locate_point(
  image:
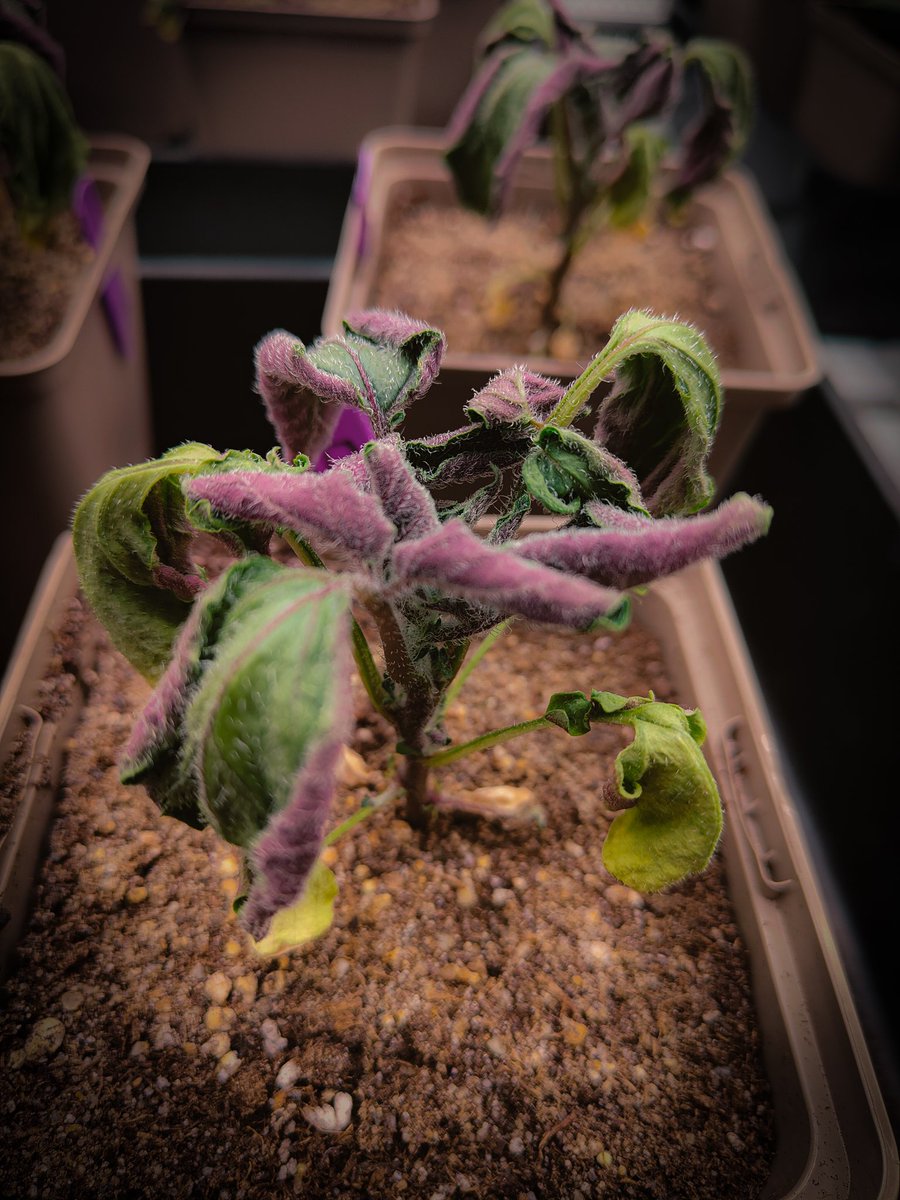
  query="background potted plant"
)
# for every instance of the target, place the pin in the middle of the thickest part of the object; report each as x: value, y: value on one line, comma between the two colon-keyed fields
x: 626, y: 125
x: 73, y: 387
x: 331, y: 1096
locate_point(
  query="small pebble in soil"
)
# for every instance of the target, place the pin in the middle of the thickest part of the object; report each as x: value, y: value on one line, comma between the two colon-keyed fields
x: 330, y: 1117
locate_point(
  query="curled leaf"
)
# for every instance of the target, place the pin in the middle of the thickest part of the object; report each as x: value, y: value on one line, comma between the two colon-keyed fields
x: 132, y: 536
x: 41, y: 147
x: 675, y: 824
x: 663, y: 411
x: 565, y: 470
x: 503, y: 115
x: 515, y: 396
x: 719, y: 133
x: 458, y: 562
x: 406, y: 504
x: 382, y: 363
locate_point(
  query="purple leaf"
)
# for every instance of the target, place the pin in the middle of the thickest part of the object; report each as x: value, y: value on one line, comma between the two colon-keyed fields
x: 644, y: 83
x: 628, y: 549
x: 327, y: 505
x: 405, y: 502
x: 157, y: 725
x: 286, y: 851
x: 458, y: 562
x: 352, y: 431
x: 516, y: 395
x: 292, y: 388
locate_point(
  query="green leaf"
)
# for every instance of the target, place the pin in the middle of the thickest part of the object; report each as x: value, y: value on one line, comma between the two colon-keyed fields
x: 385, y: 359
x: 729, y: 77
x: 571, y: 711
x: 675, y: 825
x: 42, y: 148
x: 663, y: 411
x: 629, y: 195
x: 269, y: 690
x: 132, y: 534
x: 476, y: 155
x: 520, y: 21
x: 304, y: 921
x: 566, y: 470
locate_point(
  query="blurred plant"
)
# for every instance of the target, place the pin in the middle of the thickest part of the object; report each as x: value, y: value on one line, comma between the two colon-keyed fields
x: 614, y: 114
x: 252, y: 709
x: 42, y: 150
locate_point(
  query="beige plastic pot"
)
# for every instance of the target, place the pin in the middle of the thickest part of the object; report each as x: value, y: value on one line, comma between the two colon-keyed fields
x: 776, y: 343
x: 834, y: 1140
x: 848, y: 106
x: 295, y: 80
x: 80, y: 405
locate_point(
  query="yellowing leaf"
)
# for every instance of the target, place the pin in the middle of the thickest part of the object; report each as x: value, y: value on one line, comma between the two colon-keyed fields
x: 304, y: 921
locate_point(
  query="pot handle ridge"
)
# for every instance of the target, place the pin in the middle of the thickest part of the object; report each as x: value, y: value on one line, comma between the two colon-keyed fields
x: 744, y: 806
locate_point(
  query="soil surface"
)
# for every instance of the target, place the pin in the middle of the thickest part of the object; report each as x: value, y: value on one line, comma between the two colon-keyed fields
x: 484, y: 282
x: 36, y: 280
x: 491, y: 1013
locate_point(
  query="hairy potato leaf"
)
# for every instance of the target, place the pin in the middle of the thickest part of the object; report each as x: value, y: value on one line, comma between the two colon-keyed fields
x: 132, y: 535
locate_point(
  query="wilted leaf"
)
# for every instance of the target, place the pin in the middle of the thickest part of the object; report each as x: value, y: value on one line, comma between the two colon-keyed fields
x: 132, y: 537
x: 304, y: 921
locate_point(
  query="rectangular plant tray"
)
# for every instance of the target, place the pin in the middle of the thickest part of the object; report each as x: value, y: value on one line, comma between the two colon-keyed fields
x: 776, y: 342
x: 834, y: 1140
x: 79, y: 405
x: 292, y: 81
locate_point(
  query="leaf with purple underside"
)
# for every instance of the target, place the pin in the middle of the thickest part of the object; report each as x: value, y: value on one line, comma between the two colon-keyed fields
x: 152, y: 755
x: 515, y: 396
x: 458, y: 562
x: 628, y: 550
x: 719, y: 134
x: 305, y: 920
x: 663, y: 411
x: 287, y: 850
x: 303, y: 405
x: 382, y: 364
x: 405, y: 503
x: 132, y: 536
x: 328, y: 506
x: 644, y: 83
x: 518, y: 90
x: 227, y: 723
